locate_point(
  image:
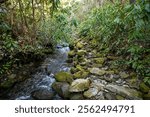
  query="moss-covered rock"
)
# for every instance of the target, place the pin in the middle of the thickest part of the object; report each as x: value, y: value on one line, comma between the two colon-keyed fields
x: 7, y: 84
x: 77, y: 96
x: 63, y: 77
x: 146, y: 97
x: 124, y: 75
x: 144, y: 88
x: 99, y: 60
x: 80, y: 74
x: 79, y: 45
x: 71, y: 54
x: 62, y: 89
x: 94, y: 42
x: 97, y: 71
x: 73, y: 70
x: 79, y: 68
x: 81, y: 52
x: 80, y: 85
x: 91, y: 92
x: 118, y: 97
x: 110, y: 72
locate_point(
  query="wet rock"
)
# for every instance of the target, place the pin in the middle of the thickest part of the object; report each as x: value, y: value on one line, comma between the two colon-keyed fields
x: 42, y: 94
x: 124, y: 75
x: 63, y: 77
x: 97, y: 71
x: 81, y: 53
x: 80, y: 85
x: 144, y: 88
x: 62, y: 89
x: 77, y: 96
x: 124, y: 91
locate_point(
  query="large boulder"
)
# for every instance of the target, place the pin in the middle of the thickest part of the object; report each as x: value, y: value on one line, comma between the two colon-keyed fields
x: 62, y: 89
x: 42, y: 94
x: 63, y: 77
x: 80, y: 85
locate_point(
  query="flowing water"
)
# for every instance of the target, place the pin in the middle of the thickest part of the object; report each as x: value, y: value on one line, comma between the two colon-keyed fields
x: 44, y: 77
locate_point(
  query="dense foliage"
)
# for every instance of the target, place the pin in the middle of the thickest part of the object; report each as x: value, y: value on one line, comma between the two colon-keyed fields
x: 123, y: 30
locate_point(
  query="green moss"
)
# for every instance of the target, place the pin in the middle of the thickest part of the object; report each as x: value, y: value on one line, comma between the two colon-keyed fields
x: 63, y: 77
x: 144, y: 88
x: 8, y: 83
x: 118, y: 97
x: 71, y: 53
x: 80, y: 74
x: 99, y: 60
x: 79, y: 45
x: 81, y: 53
x: 146, y: 97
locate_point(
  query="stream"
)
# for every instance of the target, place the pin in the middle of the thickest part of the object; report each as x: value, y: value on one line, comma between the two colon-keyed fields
x: 44, y: 76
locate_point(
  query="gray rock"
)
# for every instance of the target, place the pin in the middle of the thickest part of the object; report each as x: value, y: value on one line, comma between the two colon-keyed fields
x: 62, y: 89
x: 97, y: 71
x: 77, y: 96
x: 80, y: 85
x: 124, y: 91
x: 91, y: 92
x: 42, y: 94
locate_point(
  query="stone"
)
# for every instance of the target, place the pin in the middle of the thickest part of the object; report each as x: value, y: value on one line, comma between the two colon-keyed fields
x: 71, y: 54
x: 146, y: 96
x: 124, y: 75
x: 80, y: 85
x: 110, y: 72
x: 42, y: 94
x: 124, y: 91
x: 110, y: 96
x: 144, y: 88
x: 112, y: 57
x: 12, y: 76
x: 77, y: 96
x: 62, y: 89
x: 79, y: 68
x: 118, y: 97
x: 100, y: 96
x: 99, y: 60
x: 91, y: 92
x: 73, y: 70
x: 80, y: 74
x: 63, y: 77
x: 97, y: 71
x: 79, y: 45
x: 81, y: 53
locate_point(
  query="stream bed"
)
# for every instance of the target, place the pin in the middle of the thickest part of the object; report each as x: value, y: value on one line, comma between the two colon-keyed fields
x: 41, y: 81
